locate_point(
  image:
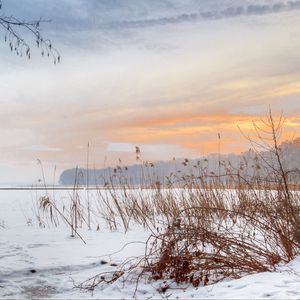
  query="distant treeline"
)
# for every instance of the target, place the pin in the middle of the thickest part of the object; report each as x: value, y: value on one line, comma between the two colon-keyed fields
x: 248, y: 164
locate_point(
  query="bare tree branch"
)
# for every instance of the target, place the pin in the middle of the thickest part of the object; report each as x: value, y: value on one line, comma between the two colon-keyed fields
x: 19, y: 45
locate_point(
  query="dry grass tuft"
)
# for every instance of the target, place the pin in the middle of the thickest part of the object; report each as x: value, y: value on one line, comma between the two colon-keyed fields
x: 211, y: 227
x: 204, y: 228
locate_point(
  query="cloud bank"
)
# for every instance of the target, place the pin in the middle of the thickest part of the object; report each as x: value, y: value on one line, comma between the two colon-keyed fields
x: 229, y: 12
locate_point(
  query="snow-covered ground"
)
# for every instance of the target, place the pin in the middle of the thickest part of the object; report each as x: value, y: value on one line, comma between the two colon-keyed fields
x: 45, y: 262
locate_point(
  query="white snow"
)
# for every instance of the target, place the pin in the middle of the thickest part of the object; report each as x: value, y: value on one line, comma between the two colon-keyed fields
x: 60, y: 260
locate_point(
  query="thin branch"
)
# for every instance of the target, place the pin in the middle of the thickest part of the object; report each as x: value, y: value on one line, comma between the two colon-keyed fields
x: 19, y: 45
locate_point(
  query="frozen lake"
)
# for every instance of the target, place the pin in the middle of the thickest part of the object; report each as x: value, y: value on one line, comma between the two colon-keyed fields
x: 44, y: 262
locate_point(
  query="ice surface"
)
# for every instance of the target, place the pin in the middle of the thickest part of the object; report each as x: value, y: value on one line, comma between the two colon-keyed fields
x: 45, y: 262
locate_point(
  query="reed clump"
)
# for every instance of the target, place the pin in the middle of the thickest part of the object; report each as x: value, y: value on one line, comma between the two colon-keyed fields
x: 211, y: 227
x: 205, y: 227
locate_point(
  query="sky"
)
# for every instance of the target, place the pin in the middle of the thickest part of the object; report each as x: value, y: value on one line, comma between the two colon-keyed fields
x: 164, y: 75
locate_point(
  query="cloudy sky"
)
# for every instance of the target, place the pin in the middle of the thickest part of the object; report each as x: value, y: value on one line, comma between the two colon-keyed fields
x: 166, y: 75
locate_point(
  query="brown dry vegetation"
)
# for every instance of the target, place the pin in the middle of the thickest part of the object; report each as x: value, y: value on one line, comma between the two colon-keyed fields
x: 209, y: 227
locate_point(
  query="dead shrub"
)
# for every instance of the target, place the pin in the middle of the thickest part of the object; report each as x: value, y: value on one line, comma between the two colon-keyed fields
x: 211, y: 227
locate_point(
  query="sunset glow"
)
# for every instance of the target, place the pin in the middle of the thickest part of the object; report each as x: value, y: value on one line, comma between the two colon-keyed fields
x: 141, y: 74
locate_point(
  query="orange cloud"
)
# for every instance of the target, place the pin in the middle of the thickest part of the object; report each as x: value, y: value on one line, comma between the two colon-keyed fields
x: 200, y: 132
